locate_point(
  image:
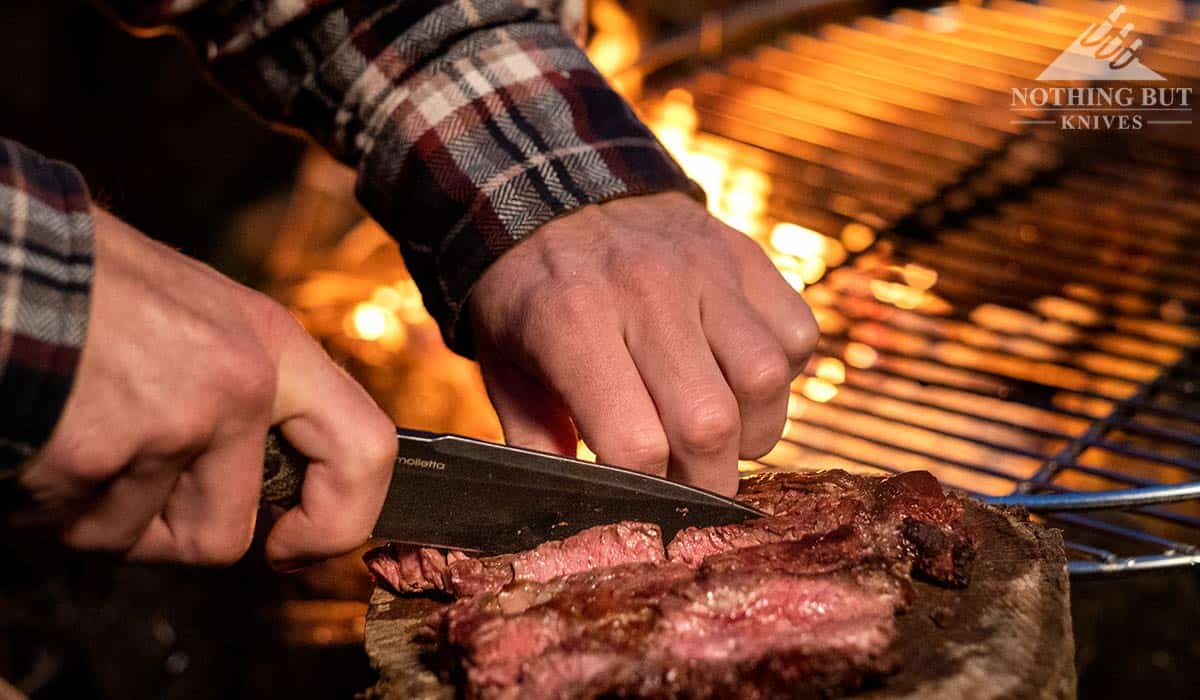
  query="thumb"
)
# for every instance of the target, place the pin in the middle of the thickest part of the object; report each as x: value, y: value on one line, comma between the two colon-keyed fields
x: 532, y: 416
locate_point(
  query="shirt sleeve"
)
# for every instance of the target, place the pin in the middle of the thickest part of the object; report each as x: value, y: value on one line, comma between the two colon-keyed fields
x: 470, y: 123
x: 45, y: 280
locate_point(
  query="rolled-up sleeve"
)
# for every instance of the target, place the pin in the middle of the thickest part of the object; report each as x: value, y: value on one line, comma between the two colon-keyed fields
x: 470, y: 123
x: 45, y: 280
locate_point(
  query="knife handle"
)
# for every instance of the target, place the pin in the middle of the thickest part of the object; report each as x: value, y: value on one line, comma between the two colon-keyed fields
x: 283, y: 472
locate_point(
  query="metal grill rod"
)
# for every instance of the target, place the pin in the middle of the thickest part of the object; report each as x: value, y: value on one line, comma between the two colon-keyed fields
x: 1100, y: 500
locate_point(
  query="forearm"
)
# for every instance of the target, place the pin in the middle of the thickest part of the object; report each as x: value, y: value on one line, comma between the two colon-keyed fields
x: 45, y: 278
x: 470, y: 124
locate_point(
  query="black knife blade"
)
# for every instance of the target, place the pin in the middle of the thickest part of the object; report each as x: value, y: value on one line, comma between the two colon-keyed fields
x: 460, y: 493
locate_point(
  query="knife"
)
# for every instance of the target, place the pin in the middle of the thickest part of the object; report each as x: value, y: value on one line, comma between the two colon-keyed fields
x: 460, y: 493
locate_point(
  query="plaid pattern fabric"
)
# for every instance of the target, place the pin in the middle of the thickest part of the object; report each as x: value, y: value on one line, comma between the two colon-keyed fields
x: 470, y: 123
x: 45, y: 277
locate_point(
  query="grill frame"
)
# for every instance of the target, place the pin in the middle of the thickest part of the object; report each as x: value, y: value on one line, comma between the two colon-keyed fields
x: 1032, y: 165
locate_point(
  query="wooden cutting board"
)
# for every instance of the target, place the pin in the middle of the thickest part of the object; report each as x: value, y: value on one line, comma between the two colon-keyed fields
x: 1007, y: 635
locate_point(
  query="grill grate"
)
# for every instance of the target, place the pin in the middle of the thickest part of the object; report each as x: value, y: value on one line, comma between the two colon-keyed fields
x: 1011, y: 306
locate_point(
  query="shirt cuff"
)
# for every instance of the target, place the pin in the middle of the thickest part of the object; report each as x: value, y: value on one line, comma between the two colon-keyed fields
x: 45, y: 282
x: 505, y: 132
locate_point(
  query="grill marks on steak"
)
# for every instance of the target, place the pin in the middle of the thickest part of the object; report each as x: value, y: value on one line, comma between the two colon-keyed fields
x: 412, y: 569
x: 791, y: 605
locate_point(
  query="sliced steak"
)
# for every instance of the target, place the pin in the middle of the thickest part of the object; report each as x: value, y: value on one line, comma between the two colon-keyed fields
x: 412, y: 569
x: 667, y: 630
x: 801, y: 493
x: 408, y: 568
x: 805, y: 556
x: 906, y: 518
x: 498, y: 633
x: 693, y: 545
x: 795, y: 604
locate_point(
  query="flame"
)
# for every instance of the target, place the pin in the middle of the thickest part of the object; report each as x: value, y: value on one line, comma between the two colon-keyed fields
x: 1067, y: 310
x: 860, y: 355
x: 369, y: 321
x: 737, y: 194
x: 615, y: 45
x: 857, y: 237
x: 819, y: 390
x: 831, y: 370
x: 582, y: 451
x: 899, y: 295
x: 919, y: 277
x: 798, y: 241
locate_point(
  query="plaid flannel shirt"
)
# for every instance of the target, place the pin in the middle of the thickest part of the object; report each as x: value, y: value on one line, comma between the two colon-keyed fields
x: 45, y: 276
x: 470, y: 124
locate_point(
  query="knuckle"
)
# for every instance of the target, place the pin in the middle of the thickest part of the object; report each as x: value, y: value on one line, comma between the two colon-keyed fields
x: 245, y: 375
x: 379, y: 447
x: 345, y: 538
x: 254, y: 379
x: 216, y: 546
x: 180, y: 431
x: 648, y: 275
x: 92, y: 465
x: 766, y: 377
x: 765, y: 441
x: 577, y: 299
x: 710, y: 426
x: 267, y: 313
x: 802, y: 338
x: 556, y: 306
x: 644, y: 451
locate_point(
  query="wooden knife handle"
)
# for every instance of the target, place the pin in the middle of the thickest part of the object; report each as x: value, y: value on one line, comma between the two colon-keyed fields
x: 283, y: 472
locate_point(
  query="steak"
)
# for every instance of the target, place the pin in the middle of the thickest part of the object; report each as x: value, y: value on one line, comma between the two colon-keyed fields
x: 414, y: 569
x: 652, y: 630
x: 409, y: 568
x: 799, y: 603
x: 906, y: 518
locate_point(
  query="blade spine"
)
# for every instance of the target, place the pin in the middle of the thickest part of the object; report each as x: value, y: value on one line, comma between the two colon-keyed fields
x: 702, y: 496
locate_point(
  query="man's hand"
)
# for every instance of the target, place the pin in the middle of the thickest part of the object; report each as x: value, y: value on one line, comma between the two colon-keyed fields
x: 159, y: 450
x: 669, y: 339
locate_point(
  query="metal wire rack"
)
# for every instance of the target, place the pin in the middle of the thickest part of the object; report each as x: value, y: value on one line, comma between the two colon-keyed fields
x: 1009, y: 305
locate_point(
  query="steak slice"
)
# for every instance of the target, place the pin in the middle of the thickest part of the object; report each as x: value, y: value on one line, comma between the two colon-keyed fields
x: 500, y: 633
x: 409, y: 568
x: 801, y: 493
x: 796, y: 604
x: 414, y: 569
x: 906, y: 519
x: 652, y: 630
x: 806, y: 556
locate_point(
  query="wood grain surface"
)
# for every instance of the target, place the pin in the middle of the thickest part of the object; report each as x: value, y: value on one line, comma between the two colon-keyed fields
x: 1007, y: 635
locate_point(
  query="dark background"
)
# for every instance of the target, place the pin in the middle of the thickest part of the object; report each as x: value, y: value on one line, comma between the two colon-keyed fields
x: 158, y: 143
